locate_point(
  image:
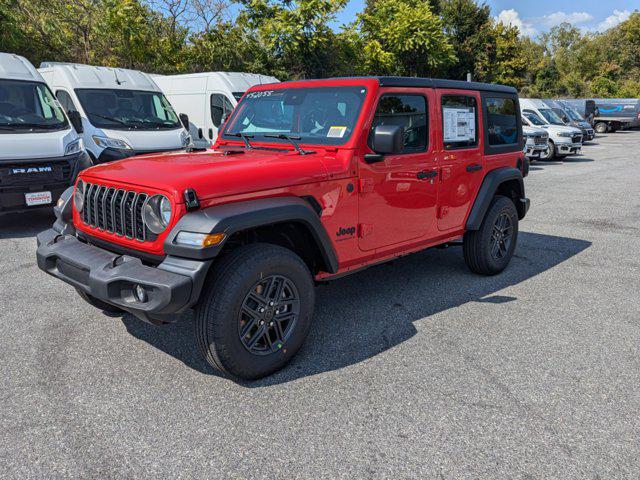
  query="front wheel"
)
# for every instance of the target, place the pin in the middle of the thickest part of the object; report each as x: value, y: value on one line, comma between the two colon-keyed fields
x: 256, y: 310
x: 488, y: 250
x: 551, y: 151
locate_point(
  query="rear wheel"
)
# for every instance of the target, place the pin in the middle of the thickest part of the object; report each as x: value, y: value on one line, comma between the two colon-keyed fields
x: 256, y: 310
x: 600, y: 127
x: 488, y: 250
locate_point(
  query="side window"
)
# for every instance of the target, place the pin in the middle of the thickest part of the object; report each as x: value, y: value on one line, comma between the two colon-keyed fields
x: 409, y: 112
x: 220, y: 108
x: 502, y: 124
x: 459, y: 121
x: 65, y: 100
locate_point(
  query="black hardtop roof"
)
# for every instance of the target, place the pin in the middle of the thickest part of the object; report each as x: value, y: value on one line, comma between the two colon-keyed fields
x: 443, y: 83
x: 419, y: 82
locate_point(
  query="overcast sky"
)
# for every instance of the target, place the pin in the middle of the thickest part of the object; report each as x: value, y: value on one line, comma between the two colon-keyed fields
x: 536, y: 16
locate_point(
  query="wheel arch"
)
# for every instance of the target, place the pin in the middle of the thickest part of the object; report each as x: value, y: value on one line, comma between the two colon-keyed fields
x: 505, y: 181
x: 291, y: 222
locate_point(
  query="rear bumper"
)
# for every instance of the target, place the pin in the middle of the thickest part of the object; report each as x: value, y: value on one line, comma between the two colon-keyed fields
x: 172, y: 287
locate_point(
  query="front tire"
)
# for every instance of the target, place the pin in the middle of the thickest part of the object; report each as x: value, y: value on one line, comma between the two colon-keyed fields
x: 255, y: 311
x: 488, y: 250
x: 551, y: 151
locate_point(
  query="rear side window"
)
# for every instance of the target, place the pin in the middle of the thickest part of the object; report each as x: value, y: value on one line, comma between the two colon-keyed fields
x: 409, y: 112
x: 502, y: 121
x: 459, y: 121
x: 220, y: 108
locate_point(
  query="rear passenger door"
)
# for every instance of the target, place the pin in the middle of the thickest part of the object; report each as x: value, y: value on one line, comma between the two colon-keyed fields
x: 459, y: 158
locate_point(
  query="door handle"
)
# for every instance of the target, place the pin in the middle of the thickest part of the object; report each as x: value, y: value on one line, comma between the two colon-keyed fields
x: 474, y: 167
x: 425, y: 175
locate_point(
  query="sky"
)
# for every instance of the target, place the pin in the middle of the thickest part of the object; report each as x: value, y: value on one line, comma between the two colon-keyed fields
x: 536, y: 16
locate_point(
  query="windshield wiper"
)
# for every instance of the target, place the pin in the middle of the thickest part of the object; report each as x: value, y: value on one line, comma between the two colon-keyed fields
x: 292, y: 139
x: 16, y: 125
x: 244, y: 137
x: 112, y: 119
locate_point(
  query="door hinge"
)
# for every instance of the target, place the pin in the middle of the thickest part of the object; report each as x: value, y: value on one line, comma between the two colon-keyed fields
x: 364, y: 229
x: 365, y: 185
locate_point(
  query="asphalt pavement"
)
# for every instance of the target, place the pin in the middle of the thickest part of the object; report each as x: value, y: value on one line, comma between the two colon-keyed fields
x: 413, y: 369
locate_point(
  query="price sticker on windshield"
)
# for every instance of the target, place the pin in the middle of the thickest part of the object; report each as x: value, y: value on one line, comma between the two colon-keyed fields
x: 260, y: 94
x: 336, y: 132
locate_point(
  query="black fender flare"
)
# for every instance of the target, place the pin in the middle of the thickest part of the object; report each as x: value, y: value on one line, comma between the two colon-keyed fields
x: 235, y: 217
x: 490, y: 185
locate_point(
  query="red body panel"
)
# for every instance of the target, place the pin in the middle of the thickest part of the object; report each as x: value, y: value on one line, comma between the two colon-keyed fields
x: 393, y: 212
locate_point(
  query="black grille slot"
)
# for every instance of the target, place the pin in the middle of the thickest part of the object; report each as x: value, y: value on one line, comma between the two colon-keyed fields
x: 576, y: 138
x: 116, y: 211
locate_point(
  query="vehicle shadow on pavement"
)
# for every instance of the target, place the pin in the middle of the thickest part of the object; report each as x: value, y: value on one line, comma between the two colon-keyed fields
x: 24, y: 225
x: 362, y: 315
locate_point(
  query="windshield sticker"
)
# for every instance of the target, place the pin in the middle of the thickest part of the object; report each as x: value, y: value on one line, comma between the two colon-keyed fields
x: 265, y: 93
x: 459, y: 124
x: 336, y: 132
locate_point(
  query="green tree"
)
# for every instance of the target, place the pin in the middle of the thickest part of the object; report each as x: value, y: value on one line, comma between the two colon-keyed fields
x: 403, y: 37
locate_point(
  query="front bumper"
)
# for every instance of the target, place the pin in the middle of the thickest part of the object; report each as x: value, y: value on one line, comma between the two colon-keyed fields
x: 536, y: 151
x: 64, y: 171
x: 568, y: 148
x: 172, y: 287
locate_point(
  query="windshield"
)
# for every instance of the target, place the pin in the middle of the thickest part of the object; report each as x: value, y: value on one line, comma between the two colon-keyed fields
x: 573, y: 114
x: 323, y: 115
x: 127, y: 109
x: 534, y: 119
x: 28, y: 106
x: 551, y: 116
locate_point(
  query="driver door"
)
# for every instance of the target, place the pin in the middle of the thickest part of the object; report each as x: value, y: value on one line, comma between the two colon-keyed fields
x: 398, y: 195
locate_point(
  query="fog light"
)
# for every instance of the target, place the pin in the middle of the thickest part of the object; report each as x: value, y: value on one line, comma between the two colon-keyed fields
x: 140, y: 293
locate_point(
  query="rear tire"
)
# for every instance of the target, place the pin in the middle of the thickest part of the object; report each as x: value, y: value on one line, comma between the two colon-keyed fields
x: 488, y: 250
x: 255, y: 311
x: 601, y: 127
x: 99, y: 304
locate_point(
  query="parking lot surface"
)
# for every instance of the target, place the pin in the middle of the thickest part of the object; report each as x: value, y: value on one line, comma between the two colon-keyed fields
x: 413, y: 369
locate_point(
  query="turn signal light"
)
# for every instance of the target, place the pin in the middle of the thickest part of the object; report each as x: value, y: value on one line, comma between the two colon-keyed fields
x: 203, y: 240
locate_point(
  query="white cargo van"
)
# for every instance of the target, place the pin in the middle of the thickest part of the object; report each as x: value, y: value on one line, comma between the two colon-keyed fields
x: 40, y: 150
x: 208, y: 98
x: 124, y: 112
x: 563, y: 140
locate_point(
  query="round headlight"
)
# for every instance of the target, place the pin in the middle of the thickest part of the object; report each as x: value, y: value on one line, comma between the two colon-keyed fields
x: 78, y: 196
x: 156, y: 213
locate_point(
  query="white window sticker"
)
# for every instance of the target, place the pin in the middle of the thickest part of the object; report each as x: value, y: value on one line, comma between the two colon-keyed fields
x: 459, y: 124
x: 336, y: 132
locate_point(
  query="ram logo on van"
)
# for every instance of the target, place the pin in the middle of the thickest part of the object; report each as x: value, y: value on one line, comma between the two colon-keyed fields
x: 18, y: 171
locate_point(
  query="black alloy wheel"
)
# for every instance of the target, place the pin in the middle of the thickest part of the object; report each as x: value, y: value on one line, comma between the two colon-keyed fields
x: 501, y: 237
x: 268, y: 315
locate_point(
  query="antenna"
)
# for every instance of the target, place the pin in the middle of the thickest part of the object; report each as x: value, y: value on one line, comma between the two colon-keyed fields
x: 115, y: 73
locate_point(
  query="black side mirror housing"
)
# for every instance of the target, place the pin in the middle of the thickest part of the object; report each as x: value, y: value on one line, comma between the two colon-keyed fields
x: 76, y: 121
x: 184, y: 119
x: 385, y: 139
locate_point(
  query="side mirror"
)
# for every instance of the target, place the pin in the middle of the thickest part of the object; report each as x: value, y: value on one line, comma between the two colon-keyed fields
x: 76, y: 120
x: 385, y: 139
x: 184, y: 119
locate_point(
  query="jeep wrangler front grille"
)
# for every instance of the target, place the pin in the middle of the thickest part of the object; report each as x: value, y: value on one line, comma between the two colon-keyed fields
x: 114, y: 210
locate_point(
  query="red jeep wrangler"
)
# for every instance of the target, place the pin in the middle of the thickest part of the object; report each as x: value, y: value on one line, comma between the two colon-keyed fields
x: 308, y: 181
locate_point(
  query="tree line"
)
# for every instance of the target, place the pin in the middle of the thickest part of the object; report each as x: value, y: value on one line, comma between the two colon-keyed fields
x: 293, y: 39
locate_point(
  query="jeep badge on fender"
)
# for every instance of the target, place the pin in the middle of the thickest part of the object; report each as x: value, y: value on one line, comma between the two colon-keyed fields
x: 434, y: 161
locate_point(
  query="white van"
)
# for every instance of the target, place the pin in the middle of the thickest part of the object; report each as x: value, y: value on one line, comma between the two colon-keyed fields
x: 208, y: 98
x: 124, y: 113
x: 40, y: 150
x: 563, y: 140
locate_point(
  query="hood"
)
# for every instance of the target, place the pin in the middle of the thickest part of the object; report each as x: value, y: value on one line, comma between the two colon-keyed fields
x: 560, y: 128
x: 533, y: 130
x: 23, y: 146
x: 148, y: 140
x: 212, y: 173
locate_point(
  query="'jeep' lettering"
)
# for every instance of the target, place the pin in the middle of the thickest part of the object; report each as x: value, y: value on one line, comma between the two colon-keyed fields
x: 345, y: 231
x: 17, y: 171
